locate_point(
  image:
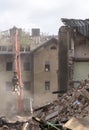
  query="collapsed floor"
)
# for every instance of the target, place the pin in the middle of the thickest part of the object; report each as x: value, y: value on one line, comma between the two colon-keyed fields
x: 70, y: 110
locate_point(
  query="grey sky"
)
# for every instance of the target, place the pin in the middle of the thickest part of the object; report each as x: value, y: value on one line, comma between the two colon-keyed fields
x: 45, y: 14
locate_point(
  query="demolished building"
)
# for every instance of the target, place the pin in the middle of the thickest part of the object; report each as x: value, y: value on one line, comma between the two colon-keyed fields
x: 73, y: 52
x: 71, y: 109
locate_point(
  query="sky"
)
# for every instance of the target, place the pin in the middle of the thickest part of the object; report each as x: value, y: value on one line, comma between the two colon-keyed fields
x: 43, y: 14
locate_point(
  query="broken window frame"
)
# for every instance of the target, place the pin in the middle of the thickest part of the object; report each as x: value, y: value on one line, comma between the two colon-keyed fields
x: 47, y: 85
x: 9, y: 66
x: 47, y: 67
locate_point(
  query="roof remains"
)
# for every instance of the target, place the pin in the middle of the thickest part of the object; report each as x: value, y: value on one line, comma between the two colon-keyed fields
x: 81, y: 26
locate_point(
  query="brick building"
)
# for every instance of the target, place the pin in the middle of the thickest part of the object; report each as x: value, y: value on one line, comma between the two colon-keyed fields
x: 38, y: 72
x: 45, y: 66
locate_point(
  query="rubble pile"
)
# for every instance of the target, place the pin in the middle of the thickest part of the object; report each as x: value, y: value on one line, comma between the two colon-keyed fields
x: 74, y: 103
x: 70, y: 110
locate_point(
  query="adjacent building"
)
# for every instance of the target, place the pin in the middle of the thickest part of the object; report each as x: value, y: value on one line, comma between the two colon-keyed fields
x: 73, y: 53
x: 45, y: 67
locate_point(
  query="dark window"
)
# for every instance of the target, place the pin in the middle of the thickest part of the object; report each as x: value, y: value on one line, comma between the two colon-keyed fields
x: 21, y: 48
x: 10, y: 48
x: 26, y: 66
x: 27, y: 85
x: 47, y: 85
x: 47, y: 67
x: 27, y: 49
x: 4, y: 48
x: 53, y: 47
x: 9, y: 66
x: 9, y: 86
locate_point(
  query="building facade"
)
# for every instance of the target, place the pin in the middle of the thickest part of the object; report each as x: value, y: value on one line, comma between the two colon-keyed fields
x: 45, y: 79
x: 8, y: 97
x: 38, y: 73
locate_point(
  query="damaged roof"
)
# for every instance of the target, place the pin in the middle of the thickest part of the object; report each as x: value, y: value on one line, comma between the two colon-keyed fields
x: 81, y: 26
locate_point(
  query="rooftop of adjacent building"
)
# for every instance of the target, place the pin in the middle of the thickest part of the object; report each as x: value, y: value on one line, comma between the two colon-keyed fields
x: 82, y: 26
x: 26, y: 40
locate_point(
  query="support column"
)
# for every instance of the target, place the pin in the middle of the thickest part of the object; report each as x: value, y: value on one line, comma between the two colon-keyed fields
x: 63, y: 59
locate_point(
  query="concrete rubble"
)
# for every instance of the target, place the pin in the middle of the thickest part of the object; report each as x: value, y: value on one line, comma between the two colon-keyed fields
x: 73, y: 104
x: 69, y: 112
x: 77, y: 124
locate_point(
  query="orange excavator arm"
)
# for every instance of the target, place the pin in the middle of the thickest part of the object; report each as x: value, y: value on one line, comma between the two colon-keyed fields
x: 17, y: 80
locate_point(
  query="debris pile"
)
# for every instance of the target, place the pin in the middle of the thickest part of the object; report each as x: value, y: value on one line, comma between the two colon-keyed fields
x: 71, y: 109
x: 74, y: 103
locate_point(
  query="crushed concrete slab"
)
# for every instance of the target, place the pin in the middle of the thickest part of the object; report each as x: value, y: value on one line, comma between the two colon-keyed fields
x: 77, y: 124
